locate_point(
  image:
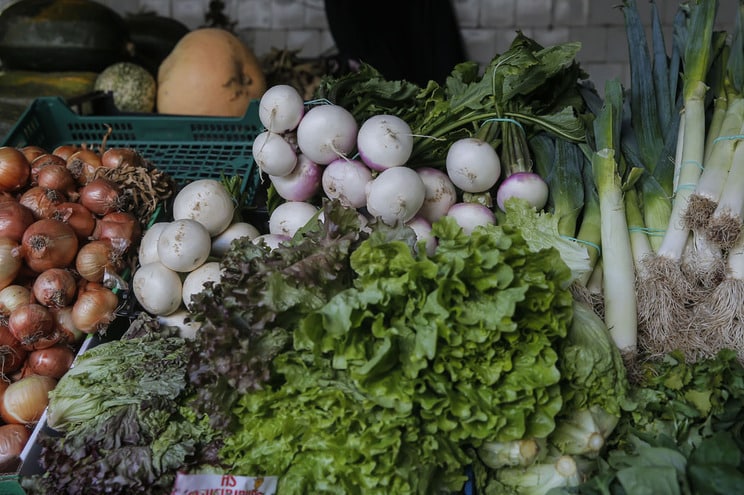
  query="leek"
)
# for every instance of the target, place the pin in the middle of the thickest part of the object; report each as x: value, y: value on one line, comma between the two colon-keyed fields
x: 618, y: 287
x: 668, y: 292
x: 725, y: 225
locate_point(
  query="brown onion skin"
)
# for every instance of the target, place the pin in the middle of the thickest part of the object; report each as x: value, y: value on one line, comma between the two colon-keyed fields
x: 12, y: 259
x: 42, y: 161
x: 42, y: 201
x: 96, y: 258
x: 65, y: 150
x: 52, y: 361
x: 55, y: 288
x: 13, y: 439
x: 33, y: 326
x: 101, y: 196
x: 25, y: 407
x: 94, y: 308
x: 32, y: 151
x: 64, y: 326
x: 49, y: 243
x: 117, y: 157
x: 15, y: 218
x: 59, y: 178
x: 77, y: 216
x: 120, y: 227
x: 12, y: 353
x: 83, y: 164
x: 15, y: 170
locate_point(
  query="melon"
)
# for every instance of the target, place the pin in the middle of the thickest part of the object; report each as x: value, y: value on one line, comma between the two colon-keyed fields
x: 133, y: 87
x: 209, y: 72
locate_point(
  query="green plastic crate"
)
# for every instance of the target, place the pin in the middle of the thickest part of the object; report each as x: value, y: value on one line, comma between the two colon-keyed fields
x: 185, y: 147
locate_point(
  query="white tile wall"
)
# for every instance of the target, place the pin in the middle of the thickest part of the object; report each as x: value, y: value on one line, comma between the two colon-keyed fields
x: 487, y: 26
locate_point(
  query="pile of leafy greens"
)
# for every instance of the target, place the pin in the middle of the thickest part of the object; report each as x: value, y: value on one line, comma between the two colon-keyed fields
x: 529, y: 84
x: 248, y: 318
x: 680, y: 432
x: 417, y: 358
x: 120, y: 419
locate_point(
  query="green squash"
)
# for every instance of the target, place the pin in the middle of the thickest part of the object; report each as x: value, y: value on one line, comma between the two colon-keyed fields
x: 133, y: 87
x: 61, y: 35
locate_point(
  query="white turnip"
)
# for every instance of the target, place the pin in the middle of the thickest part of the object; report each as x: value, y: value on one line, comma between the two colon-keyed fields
x: 440, y: 193
x: 384, y: 141
x: 184, y: 245
x: 273, y: 154
x: 221, y: 243
x: 290, y: 216
x: 281, y: 108
x: 422, y: 228
x: 157, y: 288
x: 473, y: 165
x: 208, y: 202
x: 302, y: 183
x: 471, y: 215
x: 196, y: 279
x: 395, y: 195
x: 346, y: 180
x: 528, y: 186
x: 327, y: 132
x: 271, y: 241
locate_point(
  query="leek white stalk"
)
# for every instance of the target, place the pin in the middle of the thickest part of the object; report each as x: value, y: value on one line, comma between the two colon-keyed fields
x: 618, y: 284
x: 619, y: 276
x: 703, y: 201
x: 725, y: 225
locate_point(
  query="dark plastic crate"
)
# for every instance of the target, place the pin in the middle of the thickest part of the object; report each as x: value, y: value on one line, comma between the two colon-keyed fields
x: 185, y: 147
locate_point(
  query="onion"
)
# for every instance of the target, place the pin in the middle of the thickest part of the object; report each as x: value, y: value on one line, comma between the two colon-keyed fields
x: 83, y: 165
x: 55, y: 288
x: 97, y: 259
x: 94, y: 308
x: 32, y: 151
x: 53, y: 361
x: 14, y: 219
x: 120, y: 227
x: 49, y: 243
x: 33, y: 325
x: 42, y: 161
x: 24, y: 401
x: 13, y: 439
x: 65, y: 327
x: 12, y: 353
x: 12, y: 297
x: 42, y: 201
x: 65, y: 150
x: 15, y: 169
x: 58, y: 178
x: 117, y: 157
x: 11, y: 261
x: 101, y: 196
x: 77, y: 216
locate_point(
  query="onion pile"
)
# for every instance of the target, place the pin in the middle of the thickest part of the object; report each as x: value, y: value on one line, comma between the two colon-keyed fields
x: 67, y: 232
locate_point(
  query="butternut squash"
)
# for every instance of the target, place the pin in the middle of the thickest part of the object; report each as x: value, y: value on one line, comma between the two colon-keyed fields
x: 210, y: 71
